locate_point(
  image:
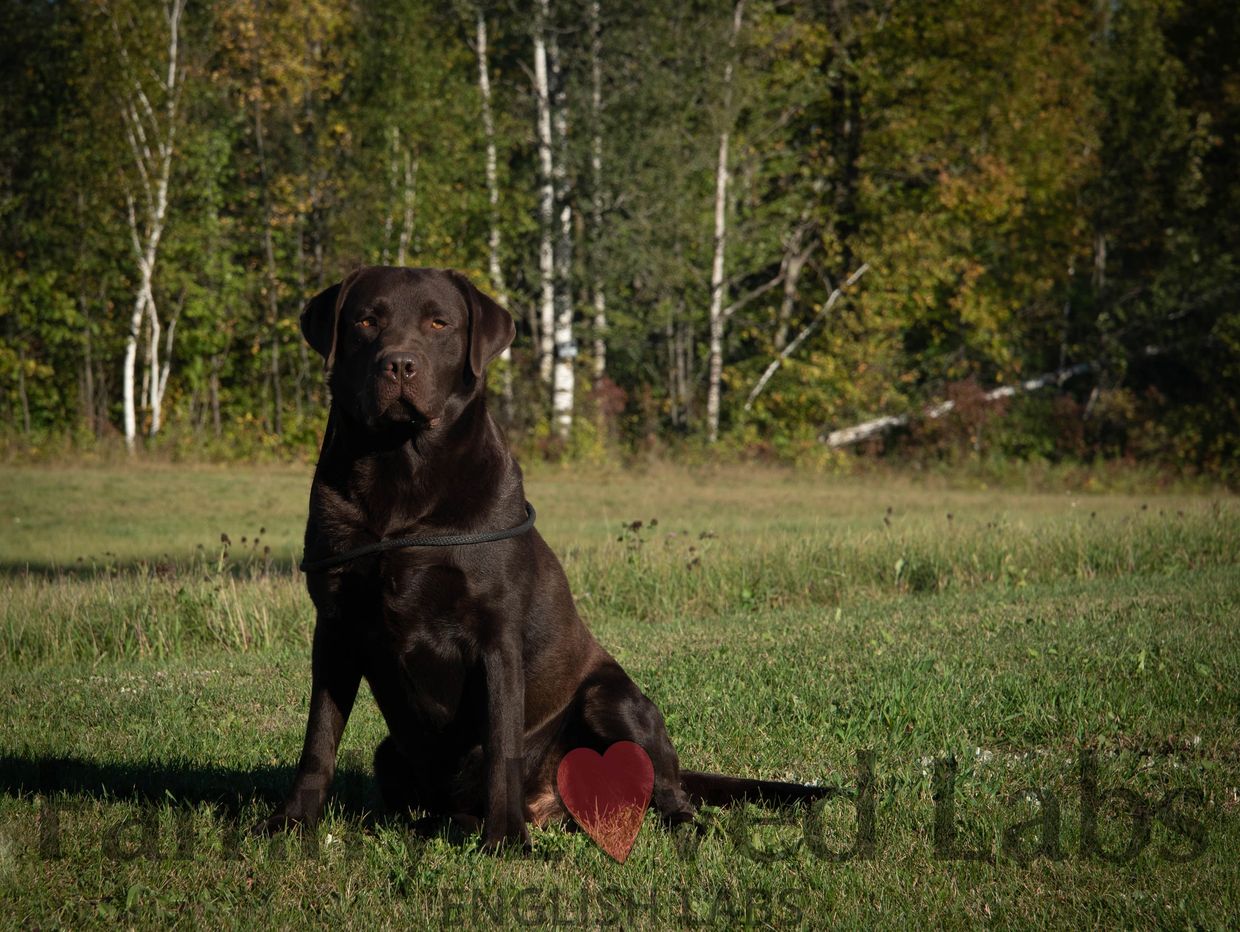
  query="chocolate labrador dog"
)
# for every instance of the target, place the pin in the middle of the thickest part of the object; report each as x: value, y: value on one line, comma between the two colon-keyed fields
x: 477, y: 658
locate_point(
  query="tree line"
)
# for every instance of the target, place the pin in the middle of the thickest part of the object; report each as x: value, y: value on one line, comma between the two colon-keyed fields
x: 750, y: 222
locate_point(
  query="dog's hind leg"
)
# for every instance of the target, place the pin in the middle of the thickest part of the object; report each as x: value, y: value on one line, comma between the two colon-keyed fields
x: 613, y: 709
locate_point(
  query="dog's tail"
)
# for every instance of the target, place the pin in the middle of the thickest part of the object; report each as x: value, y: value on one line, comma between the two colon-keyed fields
x: 715, y: 789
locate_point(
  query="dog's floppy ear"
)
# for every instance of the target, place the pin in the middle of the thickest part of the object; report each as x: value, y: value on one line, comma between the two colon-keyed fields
x: 321, y: 318
x: 491, y: 328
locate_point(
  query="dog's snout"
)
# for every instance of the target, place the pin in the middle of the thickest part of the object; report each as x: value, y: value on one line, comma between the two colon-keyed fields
x: 398, y: 366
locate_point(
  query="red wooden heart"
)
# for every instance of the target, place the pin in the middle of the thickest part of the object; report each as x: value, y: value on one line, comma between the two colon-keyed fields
x: 608, y: 793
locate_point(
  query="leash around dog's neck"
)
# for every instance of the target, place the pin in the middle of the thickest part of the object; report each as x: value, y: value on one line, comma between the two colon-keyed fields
x: 399, y: 543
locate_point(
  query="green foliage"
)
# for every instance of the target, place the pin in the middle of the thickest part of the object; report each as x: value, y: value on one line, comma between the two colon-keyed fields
x: 1032, y: 187
x: 40, y: 324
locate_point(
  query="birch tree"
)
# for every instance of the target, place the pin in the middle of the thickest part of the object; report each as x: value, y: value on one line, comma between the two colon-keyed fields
x: 495, y: 268
x: 563, y: 381
x: 150, y: 112
x: 717, y: 283
x: 402, y: 185
x: 546, y: 197
x: 596, y: 199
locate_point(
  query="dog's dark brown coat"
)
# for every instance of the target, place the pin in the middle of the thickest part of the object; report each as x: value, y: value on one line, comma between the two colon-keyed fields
x: 476, y: 656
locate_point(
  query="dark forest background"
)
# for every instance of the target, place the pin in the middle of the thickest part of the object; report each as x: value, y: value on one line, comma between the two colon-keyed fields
x: 750, y: 224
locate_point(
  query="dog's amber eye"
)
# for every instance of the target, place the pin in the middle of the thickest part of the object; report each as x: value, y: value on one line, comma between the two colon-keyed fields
x: 366, y: 322
x: 438, y: 324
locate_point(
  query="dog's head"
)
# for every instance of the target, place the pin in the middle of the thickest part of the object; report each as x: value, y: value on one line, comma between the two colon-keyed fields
x: 401, y: 345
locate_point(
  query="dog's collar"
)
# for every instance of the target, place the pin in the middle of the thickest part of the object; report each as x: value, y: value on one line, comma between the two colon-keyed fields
x: 398, y: 543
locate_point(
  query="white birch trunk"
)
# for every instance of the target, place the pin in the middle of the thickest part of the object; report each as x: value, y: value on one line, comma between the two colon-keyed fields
x: 144, y: 398
x: 408, y: 197
x: 128, y: 371
x: 150, y: 142
x: 402, y: 173
x: 600, y: 332
x: 157, y: 376
x: 715, y: 374
x: 495, y: 268
x: 717, y: 317
x: 564, y: 377
x: 389, y: 218
x: 546, y: 201
x: 166, y: 369
x: 152, y: 377
x: 596, y: 204
x: 564, y: 382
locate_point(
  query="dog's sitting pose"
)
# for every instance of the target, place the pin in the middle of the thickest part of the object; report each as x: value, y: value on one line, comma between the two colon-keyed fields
x: 481, y: 667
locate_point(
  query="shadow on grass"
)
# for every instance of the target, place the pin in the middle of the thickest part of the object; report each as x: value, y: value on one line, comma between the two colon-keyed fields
x: 186, y: 784
x: 162, y: 567
x: 233, y: 790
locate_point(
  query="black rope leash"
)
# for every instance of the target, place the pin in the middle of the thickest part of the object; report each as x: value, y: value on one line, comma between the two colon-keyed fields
x: 399, y: 543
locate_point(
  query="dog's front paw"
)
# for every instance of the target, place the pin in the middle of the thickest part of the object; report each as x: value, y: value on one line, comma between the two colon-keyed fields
x: 499, y: 838
x: 280, y: 821
x: 679, y: 817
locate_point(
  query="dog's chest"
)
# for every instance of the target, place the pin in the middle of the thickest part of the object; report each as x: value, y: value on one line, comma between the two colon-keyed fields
x: 419, y: 642
x: 416, y: 594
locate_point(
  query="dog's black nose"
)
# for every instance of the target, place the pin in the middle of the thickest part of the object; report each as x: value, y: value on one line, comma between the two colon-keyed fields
x: 398, y: 367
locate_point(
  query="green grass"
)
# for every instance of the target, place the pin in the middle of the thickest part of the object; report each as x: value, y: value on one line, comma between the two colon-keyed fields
x: 783, y: 623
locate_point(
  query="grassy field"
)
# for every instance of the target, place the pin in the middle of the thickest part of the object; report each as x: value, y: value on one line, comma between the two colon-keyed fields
x: 1071, y: 659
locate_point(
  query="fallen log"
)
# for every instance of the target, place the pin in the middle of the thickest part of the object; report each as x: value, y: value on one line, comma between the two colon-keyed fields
x: 858, y: 432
